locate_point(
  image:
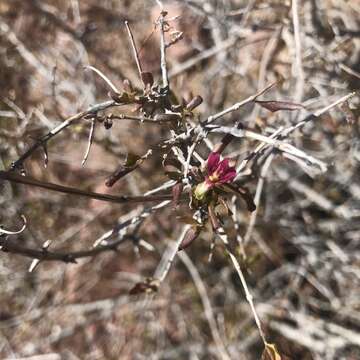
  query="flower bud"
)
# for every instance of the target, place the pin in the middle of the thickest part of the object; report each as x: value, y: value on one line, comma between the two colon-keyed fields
x: 201, y: 190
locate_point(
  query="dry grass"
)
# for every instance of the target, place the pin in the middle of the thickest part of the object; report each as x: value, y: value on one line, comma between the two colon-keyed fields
x: 302, y: 242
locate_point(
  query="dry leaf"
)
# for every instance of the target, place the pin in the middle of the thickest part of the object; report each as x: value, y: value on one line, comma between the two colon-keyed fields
x: 279, y: 105
x: 271, y: 353
x: 150, y: 285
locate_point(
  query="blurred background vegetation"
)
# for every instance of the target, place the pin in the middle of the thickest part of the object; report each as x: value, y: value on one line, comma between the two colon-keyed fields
x: 303, y: 255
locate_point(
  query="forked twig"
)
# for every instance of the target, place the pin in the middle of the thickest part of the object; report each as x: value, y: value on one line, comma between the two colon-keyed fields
x: 58, y: 129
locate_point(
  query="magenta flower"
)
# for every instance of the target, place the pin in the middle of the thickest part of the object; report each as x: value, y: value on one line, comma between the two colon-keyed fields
x: 218, y: 173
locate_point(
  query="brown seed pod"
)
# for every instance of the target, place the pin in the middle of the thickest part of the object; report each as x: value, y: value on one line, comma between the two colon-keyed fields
x: 176, y: 192
x: 194, y: 103
x: 190, y: 236
x: 215, y: 223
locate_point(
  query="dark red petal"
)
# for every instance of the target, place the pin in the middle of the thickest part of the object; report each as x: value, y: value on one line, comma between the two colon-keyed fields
x: 229, y: 176
x: 223, y: 168
x: 212, y: 162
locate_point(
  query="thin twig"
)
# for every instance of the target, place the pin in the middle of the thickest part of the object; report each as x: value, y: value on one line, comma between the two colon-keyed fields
x: 298, y: 57
x: 141, y: 119
x: 119, y: 235
x: 349, y: 70
x: 200, y: 286
x: 27, y: 180
x: 264, y: 170
x: 169, y: 255
x: 103, y: 76
x: 256, y: 152
x: 280, y: 145
x: 248, y: 295
x: 45, y: 255
x: 191, y: 150
x: 268, y: 54
x: 16, y: 232
x: 122, y: 228
x: 90, y: 141
x: 163, y: 48
x: 317, y: 114
x: 135, y: 51
x: 71, y: 120
x: 222, y: 235
x: 208, y: 53
x: 238, y: 105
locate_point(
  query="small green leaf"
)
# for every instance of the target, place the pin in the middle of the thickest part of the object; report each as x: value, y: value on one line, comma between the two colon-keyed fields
x: 132, y: 159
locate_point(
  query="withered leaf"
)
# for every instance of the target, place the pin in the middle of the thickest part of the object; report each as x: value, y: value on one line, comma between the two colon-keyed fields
x: 132, y: 159
x: 274, y: 106
x: 244, y: 193
x: 172, y: 161
x: 132, y: 162
x: 173, y: 175
x: 270, y: 353
x: 150, y: 285
x: 225, y: 206
x: 194, y: 103
x: 120, y: 172
x: 128, y: 86
x: 147, y: 78
x: 122, y: 98
x: 215, y: 223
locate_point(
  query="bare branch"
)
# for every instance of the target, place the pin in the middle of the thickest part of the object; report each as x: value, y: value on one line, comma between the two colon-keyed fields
x: 70, y: 121
x: 27, y: 180
x: 163, y: 48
